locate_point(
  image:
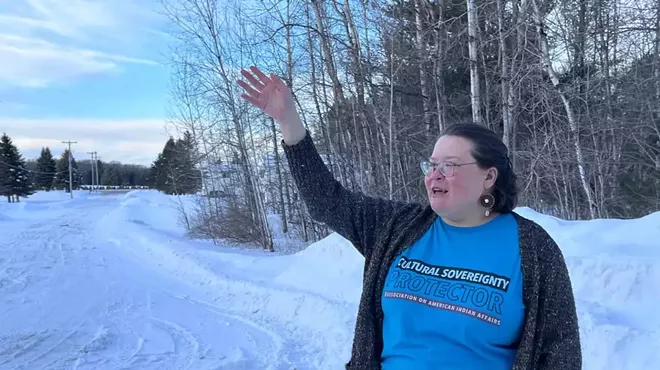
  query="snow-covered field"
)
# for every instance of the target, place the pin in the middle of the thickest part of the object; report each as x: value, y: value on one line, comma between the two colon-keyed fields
x: 110, y: 282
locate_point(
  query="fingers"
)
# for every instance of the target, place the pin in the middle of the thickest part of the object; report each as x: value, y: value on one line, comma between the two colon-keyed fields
x: 260, y: 74
x: 277, y: 79
x: 248, y: 88
x: 263, y: 82
x: 256, y: 83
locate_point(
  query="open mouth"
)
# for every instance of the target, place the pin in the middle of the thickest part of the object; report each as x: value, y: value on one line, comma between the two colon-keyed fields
x: 438, y: 191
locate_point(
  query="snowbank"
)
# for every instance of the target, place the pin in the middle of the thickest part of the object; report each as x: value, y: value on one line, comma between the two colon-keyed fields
x: 155, y: 210
x: 638, y: 237
x: 330, y: 267
x: 615, y: 270
x: 152, y: 209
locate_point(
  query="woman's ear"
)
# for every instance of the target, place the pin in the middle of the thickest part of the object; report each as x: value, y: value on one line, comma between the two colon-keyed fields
x: 491, y: 177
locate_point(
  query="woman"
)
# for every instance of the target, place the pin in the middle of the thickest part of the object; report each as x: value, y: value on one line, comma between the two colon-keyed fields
x: 459, y: 283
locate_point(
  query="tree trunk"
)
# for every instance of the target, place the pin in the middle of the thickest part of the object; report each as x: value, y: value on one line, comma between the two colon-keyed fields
x: 440, y: 36
x: 281, y: 187
x: 473, y: 54
x: 422, y: 53
x: 337, y: 89
x: 572, y: 121
x: 656, y: 73
x: 505, y: 83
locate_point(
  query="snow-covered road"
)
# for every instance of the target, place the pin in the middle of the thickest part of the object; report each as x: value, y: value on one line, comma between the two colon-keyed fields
x: 82, y: 288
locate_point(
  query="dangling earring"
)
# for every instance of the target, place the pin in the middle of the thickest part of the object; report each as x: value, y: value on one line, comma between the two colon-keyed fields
x: 487, y: 201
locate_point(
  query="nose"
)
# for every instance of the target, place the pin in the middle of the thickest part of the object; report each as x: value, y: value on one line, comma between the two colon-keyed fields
x: 435, y: 172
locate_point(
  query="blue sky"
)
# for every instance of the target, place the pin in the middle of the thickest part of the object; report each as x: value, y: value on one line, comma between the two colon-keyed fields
x: 91, y: 71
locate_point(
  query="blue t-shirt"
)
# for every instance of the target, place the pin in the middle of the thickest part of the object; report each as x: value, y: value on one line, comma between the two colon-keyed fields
x: 453, y: 300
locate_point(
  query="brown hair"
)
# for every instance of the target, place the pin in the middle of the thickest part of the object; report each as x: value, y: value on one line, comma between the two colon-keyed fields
x: 489, y: 151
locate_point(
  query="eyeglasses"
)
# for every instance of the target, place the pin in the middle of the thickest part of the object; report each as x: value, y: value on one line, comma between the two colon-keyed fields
x: 446, y: 168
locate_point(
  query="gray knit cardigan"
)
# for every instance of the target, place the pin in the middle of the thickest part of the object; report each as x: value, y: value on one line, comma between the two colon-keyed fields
x: 381, y: 229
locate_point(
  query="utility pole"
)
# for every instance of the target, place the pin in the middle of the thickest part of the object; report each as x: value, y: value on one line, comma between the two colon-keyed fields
x: 70, y: 169
x: 96, y: 164
x: 95, y: 170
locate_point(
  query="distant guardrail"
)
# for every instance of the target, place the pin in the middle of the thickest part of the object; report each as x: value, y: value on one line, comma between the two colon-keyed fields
x: 110, y: 187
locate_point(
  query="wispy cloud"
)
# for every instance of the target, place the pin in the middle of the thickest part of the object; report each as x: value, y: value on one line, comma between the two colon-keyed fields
x: 48, y: 41
x: 129, y: 141
x: 45, y: 43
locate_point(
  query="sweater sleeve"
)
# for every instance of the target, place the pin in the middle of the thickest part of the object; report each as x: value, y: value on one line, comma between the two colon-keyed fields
x: 561, y: 347
x: 353, y: 215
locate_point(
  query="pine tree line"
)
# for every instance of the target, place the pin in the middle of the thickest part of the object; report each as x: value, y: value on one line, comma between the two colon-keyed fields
x: 110, y: 173
x: 174, y: 171
x: 22, y: 178
x: 14, y: 177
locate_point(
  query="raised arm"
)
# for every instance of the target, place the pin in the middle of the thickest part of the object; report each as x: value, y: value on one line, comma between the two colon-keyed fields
x: 355, y: 216
x: 358, y: 218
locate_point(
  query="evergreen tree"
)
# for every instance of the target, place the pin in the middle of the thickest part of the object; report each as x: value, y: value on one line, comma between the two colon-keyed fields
x: 5, y: 171
x: 168, y: 168
x: 135, y: 174
x: 111, y: 176
x: 14, y: 176
x: 62, y: 178
x: 174, y: 172
x: 157, y: 178
x: 45, y: 171
x: 188, y: 178
x: 100, y: 166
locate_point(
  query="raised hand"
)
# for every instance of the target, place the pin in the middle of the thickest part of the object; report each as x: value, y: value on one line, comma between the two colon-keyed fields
x: 273, y: 97
x: 270, y: 94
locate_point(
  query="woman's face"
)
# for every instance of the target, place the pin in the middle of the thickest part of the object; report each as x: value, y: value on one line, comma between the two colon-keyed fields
x: 457, y: 194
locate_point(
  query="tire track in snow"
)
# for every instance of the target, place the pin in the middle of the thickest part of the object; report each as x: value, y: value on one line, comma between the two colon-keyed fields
x: 276, y: 358
x: 45, y: 351
x: 185, y: 324
x: 185, y: 344
x: 37, y: 258
x: 134, y: 304
x: 293, y: 315
x: 31, y: 250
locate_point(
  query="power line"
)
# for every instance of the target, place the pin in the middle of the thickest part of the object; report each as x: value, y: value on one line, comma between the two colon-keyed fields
x: 70, y: 169
x: 95, y: 170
